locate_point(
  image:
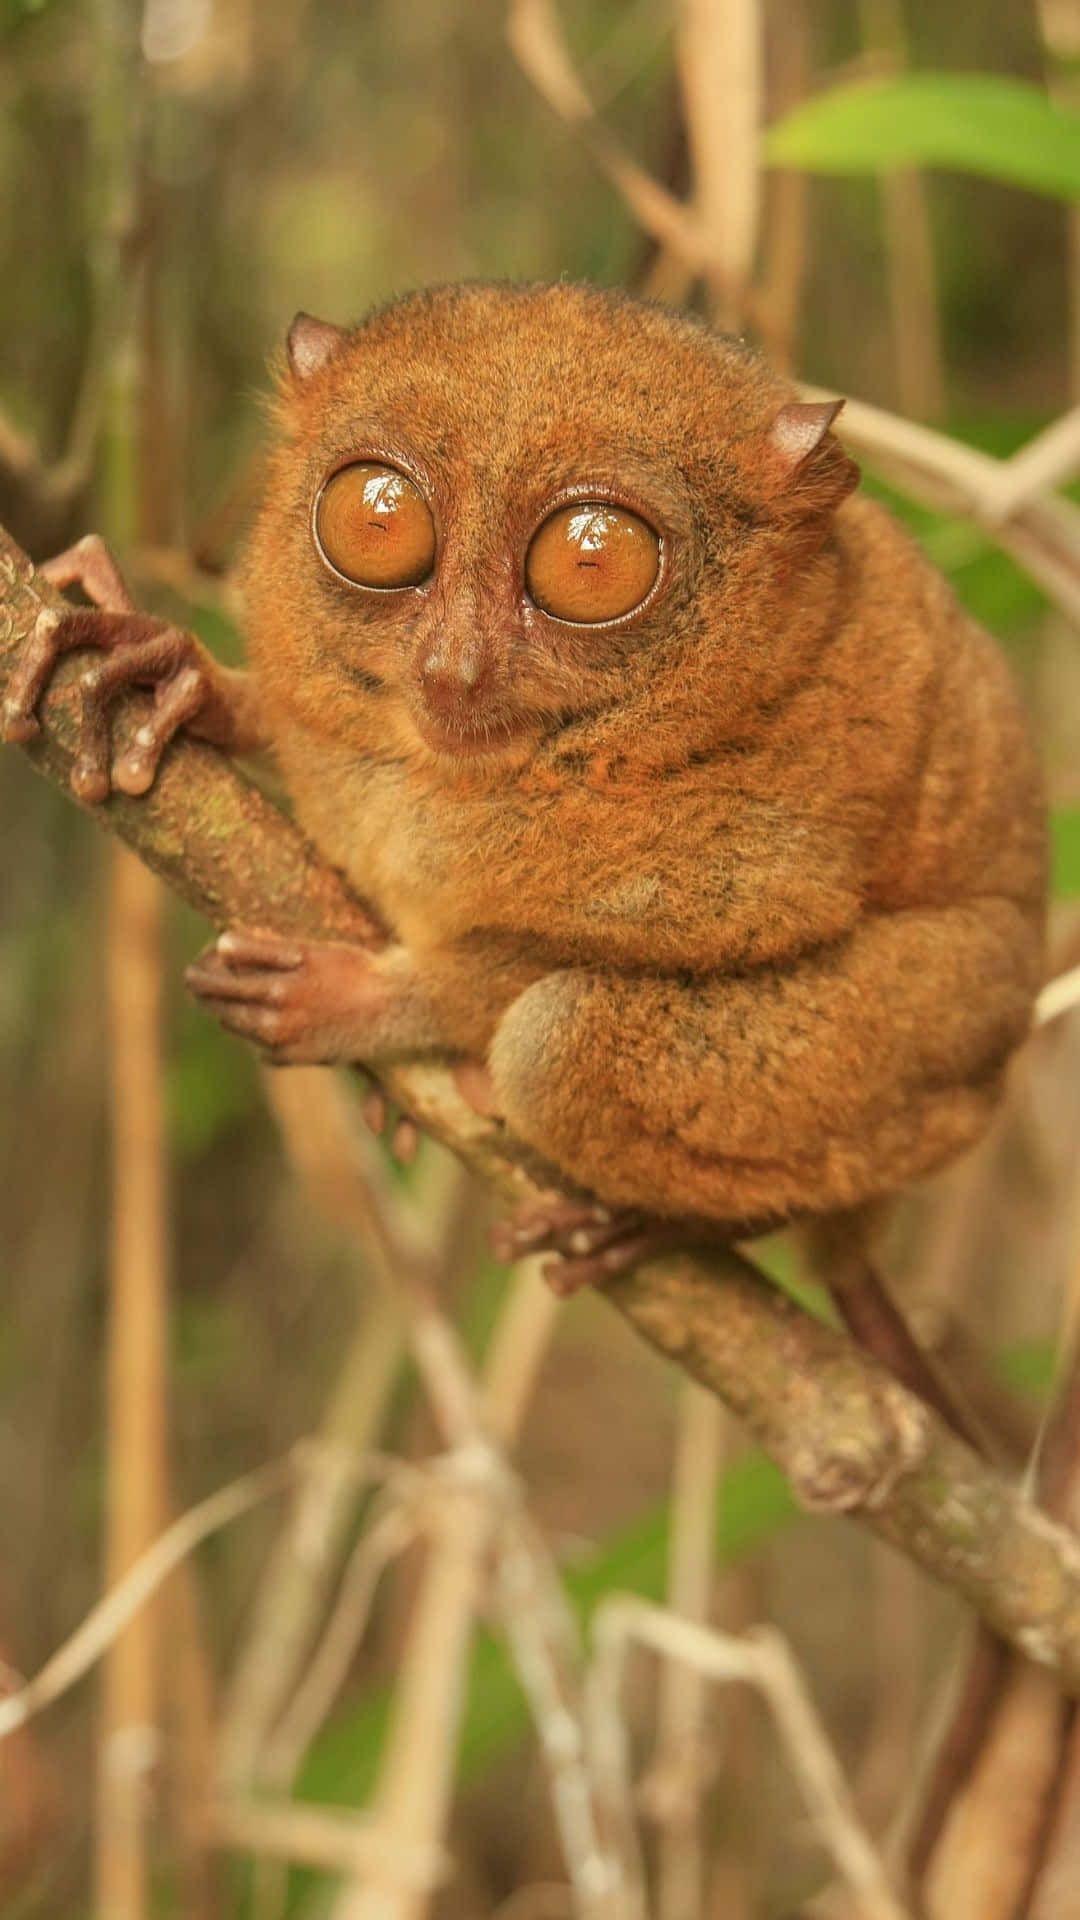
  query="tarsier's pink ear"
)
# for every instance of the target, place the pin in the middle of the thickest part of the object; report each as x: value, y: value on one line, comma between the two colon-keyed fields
x: 813, y: 471
x: 309, y: 344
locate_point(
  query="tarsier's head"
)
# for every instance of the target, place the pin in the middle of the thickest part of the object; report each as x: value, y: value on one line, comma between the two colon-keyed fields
x: 499, y: 511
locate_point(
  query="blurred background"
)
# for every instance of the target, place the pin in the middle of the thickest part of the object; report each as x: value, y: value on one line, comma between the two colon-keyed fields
x: 177, y: 181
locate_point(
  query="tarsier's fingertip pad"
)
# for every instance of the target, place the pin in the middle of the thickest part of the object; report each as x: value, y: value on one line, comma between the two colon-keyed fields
x: 133, y: 773
x: 16, y: 725
x: 89, y: 783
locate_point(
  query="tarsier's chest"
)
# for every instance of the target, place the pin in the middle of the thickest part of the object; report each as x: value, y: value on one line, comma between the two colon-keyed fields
x: 663, y: 877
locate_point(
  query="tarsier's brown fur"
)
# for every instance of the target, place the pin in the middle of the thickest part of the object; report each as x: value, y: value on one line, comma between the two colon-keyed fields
x: 739, y: 897
x: 747, y: 915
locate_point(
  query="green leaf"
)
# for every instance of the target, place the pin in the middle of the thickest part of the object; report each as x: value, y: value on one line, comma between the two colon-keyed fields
x: 972, y: 122
x: 1065, y: 848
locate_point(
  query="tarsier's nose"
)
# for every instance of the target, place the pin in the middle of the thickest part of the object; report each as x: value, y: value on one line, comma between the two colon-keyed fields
x: 452, y: 677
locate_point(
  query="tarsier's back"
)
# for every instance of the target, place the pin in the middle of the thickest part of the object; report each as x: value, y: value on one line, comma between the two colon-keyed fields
x: 698, y: 810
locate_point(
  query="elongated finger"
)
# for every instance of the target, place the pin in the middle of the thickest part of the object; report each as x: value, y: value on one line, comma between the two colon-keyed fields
x: 179, y: 699
x: 220, y: 983
x: 90, y: 565
x: 35, y: 663
x: 125, y: 666
x: 241, y: 948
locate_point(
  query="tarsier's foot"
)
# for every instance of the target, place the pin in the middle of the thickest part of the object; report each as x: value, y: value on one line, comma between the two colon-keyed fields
x: 590, y: 1242
x: 305, y: 1002
x: 138, y: 651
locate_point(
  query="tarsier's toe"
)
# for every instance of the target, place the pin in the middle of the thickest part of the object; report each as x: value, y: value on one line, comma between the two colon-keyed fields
x: 547, y: 1225
x: 568, y: 1273
x: 589, y: 1242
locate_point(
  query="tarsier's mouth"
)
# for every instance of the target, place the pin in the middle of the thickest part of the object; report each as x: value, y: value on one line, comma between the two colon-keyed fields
x: 474, y: 739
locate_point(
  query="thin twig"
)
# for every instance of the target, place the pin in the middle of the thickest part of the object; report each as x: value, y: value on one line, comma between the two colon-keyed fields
x: 536, y: 41
x: 680, y: 1738
x: 312, y: 1700
x: 111, y: 1614
x: 916, y: 328
x: 762, y: 1660
x: 319, y: 1837
x: 718, y: 56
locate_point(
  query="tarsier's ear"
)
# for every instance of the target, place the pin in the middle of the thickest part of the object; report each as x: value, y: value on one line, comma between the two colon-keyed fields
x: 810, y: 468
x: 309, y: 344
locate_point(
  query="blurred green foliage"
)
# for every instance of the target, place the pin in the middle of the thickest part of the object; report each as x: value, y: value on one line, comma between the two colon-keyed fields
x: 975, y: 122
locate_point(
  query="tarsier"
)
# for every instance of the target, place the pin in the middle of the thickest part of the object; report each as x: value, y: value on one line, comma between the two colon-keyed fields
x: 704, y: 823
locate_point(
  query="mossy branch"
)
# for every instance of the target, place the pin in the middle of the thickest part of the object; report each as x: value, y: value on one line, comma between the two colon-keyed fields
x: 849, y: 1437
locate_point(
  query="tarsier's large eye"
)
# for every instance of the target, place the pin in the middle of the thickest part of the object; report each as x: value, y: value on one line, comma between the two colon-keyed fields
x: 591, y: 562
x: 375, y: 527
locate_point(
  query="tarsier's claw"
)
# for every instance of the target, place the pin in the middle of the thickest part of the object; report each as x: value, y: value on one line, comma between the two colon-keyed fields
x: 373, y: 1110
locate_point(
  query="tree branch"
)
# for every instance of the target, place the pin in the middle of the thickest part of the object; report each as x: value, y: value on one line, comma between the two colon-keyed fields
x: 849, y: 1436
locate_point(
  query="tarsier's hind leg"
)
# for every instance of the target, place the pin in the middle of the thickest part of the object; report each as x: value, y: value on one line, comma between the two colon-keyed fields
x: 774, y: 1094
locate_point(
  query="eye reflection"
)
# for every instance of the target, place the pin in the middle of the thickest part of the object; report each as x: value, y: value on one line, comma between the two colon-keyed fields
x: 592, y: 562
x: 375, y: 527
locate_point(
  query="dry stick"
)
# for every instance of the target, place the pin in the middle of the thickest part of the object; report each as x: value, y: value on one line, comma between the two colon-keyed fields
x: 137, y: 1367
x: 1041, y: 531
x: 1042, y: 534
x: 119, y: 1606
x: 1059, y: 25
x: 680, y: 1736
x: 385, y: 1537
x: 761, y: 1659
x: 136, y: 1337
x: 986, y: 1825
x: 916, y: 329
x: 719, y: 63
x: 415, y: 1781
x: 532, y: 29
x: 322, y: 1837
x: 985, y: 1815
x: 718, y: 57
x: 785, y: 235
x: 293, y: 1589
x: 848, y: 1436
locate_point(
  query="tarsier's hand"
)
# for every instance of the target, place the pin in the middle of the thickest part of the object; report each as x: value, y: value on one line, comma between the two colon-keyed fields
x: 304, y: 1002
x: 190, y: 688
x: 318, y: 1003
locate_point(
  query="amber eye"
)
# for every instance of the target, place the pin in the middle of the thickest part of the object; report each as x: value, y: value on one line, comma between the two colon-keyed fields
x: 375, y: 527
x: 590, y: 562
